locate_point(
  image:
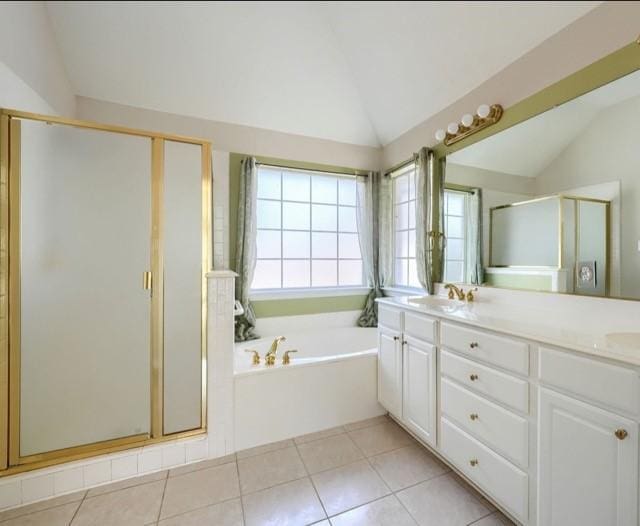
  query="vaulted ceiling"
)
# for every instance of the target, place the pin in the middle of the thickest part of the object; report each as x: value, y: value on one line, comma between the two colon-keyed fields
x: 354, y: 72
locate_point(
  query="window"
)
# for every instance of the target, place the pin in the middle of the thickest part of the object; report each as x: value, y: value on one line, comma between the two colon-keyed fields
x: 404, y: 227
x: 455, y: 206
x: 307, y: 230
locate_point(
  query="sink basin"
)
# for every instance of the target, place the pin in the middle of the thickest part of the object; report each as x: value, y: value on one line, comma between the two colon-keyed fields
x: 438, y: 302
x: 627, y: 340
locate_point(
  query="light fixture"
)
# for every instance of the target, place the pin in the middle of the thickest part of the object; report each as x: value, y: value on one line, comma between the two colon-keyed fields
x: 485, y: 116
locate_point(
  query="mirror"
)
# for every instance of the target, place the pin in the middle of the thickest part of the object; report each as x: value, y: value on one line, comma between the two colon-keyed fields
x: 553, y: 203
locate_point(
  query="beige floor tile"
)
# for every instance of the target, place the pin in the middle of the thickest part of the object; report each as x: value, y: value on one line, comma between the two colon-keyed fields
x: 384, y: 512
x: 127, y: 483
x: 442, y: 502
x: 58, y: 516
x: 378, y: 439
x: 269, y: 469
x: 319, y: 435
x: 199, y: 489
x: 349, y: 486
x: 369, y: 422
x: 228, y: 513
x: 471, y: 489
x: 294, y: 503
x: 134, y: 506
x: 196, y: 466
x: 329, y: 453
x: 252, y: 452
x: 495, y: 519
x: 42, y: 505
x: 407, y: 466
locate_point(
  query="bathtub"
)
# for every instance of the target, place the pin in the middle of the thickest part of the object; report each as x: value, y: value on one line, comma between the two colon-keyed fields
x: 330, y: 381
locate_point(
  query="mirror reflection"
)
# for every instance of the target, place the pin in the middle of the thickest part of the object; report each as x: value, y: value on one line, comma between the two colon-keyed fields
x: 551, y: 204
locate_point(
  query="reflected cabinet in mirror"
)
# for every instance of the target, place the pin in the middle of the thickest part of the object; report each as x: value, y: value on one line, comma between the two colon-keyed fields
x: 553, y: 203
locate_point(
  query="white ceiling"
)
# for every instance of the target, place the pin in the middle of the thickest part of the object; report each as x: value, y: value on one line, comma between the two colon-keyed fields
x: 355, y: 72
x: 528, y: 148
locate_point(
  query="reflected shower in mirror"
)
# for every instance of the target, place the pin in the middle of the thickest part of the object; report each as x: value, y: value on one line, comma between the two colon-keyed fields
x: 553, y: 200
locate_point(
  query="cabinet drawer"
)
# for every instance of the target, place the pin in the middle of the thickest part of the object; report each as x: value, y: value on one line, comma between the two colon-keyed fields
x: 503, y: 430
x: 502, y: 387
x: 390, y: 318
x: 503, y: 352
x: 419, y: 326
x: 495, y: 475
x: 613, y: 386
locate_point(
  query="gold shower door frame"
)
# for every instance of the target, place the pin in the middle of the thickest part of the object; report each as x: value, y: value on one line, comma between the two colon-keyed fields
x: 10, y: 460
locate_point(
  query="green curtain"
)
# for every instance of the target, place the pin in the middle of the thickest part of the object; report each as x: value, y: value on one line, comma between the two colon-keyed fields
x: 475, y: 266
x: 246, y: 248
x: 429, y: 218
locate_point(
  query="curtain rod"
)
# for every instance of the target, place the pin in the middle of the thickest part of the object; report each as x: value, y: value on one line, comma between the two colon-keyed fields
x: 356, y: 173
x: 399, y: 166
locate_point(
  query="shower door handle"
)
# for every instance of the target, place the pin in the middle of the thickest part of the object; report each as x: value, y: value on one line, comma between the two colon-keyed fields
x: 147, y: 282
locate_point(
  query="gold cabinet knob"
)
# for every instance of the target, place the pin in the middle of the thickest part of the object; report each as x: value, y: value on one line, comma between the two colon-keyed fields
x: 473, y: 345
x: 473, y: 462
x: 473, y: 416
x: 621, y: 434
x: 473, y: 377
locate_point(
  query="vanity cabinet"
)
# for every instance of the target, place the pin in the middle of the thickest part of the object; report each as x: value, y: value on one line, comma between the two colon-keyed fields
x: 419, y: 388
x: 390, y: 371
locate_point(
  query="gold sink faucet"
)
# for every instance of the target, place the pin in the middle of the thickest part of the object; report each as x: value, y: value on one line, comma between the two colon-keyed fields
x: 270, y: 357
x: 455, y: 291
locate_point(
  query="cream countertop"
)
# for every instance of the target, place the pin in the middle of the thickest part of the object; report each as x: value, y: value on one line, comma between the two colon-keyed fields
x: 522, y: 322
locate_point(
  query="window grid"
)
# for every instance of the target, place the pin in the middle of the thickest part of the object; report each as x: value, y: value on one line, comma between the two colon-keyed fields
x: 451, y: 273
x: 338, y: 205
x: 408, y: 275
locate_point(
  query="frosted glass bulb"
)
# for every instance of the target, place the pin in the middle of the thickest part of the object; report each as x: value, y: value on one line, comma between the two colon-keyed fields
x: 467, y: 120
x: 452, y: 128
x: 440, y: 135
x: 483, y: 111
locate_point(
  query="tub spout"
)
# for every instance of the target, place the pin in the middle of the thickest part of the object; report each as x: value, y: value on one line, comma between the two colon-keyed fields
x: 270, y: 357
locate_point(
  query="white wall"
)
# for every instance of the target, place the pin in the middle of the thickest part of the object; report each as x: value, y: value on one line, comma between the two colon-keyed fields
x: 32, y: 74
x: 607, y: 151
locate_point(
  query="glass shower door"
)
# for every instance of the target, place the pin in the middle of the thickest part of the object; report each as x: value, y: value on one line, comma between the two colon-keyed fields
x: 84, y: 351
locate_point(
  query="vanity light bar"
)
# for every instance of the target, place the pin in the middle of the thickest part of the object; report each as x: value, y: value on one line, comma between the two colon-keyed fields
x: 469, y: 124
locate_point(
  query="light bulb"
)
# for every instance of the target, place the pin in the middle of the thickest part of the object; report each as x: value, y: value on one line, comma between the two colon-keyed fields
x: 467, y: 120
x: 453, y: 128
x: 440, y: 135
x: 483, y: 111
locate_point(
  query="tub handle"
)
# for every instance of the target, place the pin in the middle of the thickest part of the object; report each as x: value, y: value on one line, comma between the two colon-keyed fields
x: 256, y: 357
x: 285, y: 357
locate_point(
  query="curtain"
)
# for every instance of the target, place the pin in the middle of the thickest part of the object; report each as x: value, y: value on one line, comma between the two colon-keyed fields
x: 372, y: 192
x: 429, y: 218
x: 246, y: 248
x: 475, y: 268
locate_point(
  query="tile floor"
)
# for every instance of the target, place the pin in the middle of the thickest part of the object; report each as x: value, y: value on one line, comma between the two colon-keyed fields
x: 368, y: 473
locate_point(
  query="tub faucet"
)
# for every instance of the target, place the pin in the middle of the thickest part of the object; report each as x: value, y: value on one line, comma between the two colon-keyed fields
x: 270, y: 357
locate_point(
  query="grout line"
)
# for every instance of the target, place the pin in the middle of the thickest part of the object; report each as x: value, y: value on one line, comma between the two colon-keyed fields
x: 164, y: 490
x: 244, y: 518
x: 313, y: 484
x: 78, y: 508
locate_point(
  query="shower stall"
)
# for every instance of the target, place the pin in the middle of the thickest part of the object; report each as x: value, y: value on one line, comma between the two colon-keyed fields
x: 104, y: 249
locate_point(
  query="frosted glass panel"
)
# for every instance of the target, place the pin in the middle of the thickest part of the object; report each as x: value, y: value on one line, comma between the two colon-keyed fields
x: 324, y: 189
x: 297, y: 273
x: 268, y: 214
x: 401, y: 188
x: 325, y: 217
x: 295, y: 186
x: 324, y: 273
x: 348, y: 246
x: 347, y: 219
x: 324, y: 245
x: 350, y: 272
x: 402, y: 244
x: 268, y: 184
x: 267, y: 274
x: 295, y: 216
x: 85, y: 219
x: 295, y: 245
x: 347, y: 191
x: 402, y: 216
x: 268, y: 243
x: 182, y: 286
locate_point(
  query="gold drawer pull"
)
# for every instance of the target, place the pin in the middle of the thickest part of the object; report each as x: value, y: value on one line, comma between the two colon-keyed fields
x: 473, y: 462
x: 621, y: 434
x: 473, y: 345
x: 473, y: 416
x: 473, y: 377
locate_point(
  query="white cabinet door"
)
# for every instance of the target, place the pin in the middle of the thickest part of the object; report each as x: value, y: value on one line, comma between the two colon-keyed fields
x: 588, y: 476
x: 390, y: 371
x: 419, y: 397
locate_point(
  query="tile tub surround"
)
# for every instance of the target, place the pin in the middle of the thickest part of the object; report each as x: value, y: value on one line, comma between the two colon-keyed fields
x: 369, y: 473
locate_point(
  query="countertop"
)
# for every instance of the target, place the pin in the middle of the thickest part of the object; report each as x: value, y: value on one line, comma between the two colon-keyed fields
x: 522, y: 322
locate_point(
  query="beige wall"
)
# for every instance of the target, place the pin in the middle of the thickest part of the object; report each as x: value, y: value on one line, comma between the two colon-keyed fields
x: 606, y: 151
x: 32, y: 74
x: 600, y: 32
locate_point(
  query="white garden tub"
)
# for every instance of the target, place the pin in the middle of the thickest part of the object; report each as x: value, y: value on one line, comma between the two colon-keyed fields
x: 331, y: 381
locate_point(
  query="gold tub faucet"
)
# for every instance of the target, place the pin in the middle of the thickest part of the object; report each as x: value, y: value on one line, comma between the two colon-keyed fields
x: 270, y: 357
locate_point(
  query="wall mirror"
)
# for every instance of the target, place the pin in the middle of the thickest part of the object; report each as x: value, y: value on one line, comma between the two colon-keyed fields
x: 553, y: 203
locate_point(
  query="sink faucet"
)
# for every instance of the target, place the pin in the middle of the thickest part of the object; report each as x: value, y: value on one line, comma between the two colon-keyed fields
x: 270, y: 357
x: 453, y: 289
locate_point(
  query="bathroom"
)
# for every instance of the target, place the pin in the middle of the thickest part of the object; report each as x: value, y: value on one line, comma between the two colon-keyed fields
x: 319, y: 263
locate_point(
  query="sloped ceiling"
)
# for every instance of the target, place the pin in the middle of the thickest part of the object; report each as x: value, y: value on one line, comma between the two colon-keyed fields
x: 354, y: 72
